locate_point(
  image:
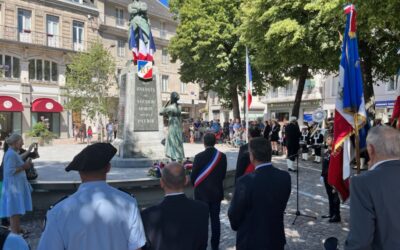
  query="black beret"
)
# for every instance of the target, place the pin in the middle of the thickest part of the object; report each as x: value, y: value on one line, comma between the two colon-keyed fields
x: 93, y: 157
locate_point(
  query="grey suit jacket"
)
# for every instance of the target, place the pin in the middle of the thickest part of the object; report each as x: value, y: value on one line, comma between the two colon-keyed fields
x: 375, y: 209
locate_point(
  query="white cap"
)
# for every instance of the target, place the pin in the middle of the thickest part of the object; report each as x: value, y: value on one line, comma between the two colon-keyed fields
x: 293, y: 118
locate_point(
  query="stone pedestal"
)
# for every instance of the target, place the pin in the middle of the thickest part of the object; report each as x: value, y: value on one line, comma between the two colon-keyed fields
x: 140, y: 129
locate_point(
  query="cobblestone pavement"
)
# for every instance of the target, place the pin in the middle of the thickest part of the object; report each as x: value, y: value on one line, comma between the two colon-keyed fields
x: 305, y: 234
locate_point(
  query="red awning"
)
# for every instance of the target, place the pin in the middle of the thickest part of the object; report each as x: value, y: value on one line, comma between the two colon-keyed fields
x: 46, y: 105
x: 10, y: 104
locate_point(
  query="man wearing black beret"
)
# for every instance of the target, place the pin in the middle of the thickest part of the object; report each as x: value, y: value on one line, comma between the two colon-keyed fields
x: 97, y: 216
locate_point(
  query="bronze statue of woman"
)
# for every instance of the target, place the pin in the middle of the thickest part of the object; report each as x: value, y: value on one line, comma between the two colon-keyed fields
x: 174, y: 140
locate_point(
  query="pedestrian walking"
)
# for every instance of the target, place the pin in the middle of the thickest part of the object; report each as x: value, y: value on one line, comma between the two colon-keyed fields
x: 89, y: 135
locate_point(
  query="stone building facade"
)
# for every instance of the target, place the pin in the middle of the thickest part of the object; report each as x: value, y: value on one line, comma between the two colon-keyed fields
x: 37, y: 40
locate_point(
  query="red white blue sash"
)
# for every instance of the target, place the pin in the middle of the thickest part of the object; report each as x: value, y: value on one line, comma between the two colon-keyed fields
x: 206, y: 171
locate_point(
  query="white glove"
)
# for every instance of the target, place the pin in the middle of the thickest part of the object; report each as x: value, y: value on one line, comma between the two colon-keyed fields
x: 321, y: 179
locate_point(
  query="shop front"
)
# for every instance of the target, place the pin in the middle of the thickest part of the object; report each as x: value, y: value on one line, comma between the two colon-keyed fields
x: 10, y: 116
x: 48, y: 111
x: 384, y: 110
x: 282, y: 111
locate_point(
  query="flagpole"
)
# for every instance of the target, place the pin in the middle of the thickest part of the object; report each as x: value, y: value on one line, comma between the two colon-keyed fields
x: 357, y: 142
x: 246, y: 108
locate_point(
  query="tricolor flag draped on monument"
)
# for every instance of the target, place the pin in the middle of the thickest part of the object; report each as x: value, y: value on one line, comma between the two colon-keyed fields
x: 350, y: 113
x: 143, y: 54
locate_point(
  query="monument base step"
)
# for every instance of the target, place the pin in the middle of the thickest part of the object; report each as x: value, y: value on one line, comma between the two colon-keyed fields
x: 119, y: 162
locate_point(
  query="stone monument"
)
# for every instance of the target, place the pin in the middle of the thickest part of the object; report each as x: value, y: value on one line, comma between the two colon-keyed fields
x: 140, y: 129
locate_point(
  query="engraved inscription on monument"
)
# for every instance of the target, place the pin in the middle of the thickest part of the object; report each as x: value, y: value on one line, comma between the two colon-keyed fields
x: 146, y: 115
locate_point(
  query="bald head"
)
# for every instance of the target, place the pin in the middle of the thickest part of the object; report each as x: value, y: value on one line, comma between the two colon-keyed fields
x: 173, y: 176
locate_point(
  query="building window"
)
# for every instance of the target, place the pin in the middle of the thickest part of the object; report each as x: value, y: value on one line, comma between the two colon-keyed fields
x: 164, y: 56
x: 24, y: 25
x: 121, y: 48
x: 309, y: 85
x: 119, y: 17
x: 43, y: 70
x: 77, y: 35
x: 335, y: 86
x: 10, y: 67
x: 163, y: 31
x: 164, y: 83
x: 183, y: 88
x: 391, y: 85
x: 52, y: 31
x: 289, y: 89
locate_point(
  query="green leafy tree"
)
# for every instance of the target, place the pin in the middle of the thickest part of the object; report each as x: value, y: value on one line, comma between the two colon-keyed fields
x: 208, y: 47
x: 378, y: 32
x: 291, y: 39
x: 89, y: 79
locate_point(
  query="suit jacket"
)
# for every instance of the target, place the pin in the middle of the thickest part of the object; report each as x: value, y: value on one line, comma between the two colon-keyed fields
x: 243, y: 161
x: 171, y: 224
x: 267, y: 131
x: 375, y: 208
x: 257, y: 208
x: 211, y: 189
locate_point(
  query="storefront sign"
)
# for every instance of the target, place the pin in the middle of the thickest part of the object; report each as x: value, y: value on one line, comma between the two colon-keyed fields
x: 384, y: 104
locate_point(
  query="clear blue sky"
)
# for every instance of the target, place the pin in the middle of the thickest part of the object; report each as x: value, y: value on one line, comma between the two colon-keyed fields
x: 165, y: 2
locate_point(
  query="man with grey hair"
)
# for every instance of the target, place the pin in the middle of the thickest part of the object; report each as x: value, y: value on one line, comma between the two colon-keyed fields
x: 177, y: 222
x: 375, y: 196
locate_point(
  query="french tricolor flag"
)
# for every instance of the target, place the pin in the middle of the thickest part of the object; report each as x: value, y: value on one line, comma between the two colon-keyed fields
x: 350, y: 114
x: 249, y: 81
x: 141, y: 50
x: 133, y: 45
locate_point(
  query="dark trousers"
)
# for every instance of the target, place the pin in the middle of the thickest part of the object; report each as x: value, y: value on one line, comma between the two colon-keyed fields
x: 215, y: 208
x: 333, y: 197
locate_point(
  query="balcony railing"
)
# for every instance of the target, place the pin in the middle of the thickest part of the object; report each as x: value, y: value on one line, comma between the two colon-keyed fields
x: 42, y: 39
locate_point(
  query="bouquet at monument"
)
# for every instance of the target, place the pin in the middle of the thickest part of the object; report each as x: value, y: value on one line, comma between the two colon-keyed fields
x: 188, y: 165
x: 155, y: 170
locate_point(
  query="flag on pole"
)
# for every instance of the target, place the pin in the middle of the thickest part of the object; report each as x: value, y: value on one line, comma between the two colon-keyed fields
x: 395, y: 120
x: 249, y: 81
x: 350, y: 113
x: 133, y: 45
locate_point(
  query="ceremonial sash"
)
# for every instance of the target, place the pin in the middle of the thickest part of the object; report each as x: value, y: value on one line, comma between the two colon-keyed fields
x: 206, y: 171
x: 249, y: 169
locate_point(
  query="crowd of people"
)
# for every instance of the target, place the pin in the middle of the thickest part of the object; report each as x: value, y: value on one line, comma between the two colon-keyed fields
x: 98, y: 216
x: 84, y: 134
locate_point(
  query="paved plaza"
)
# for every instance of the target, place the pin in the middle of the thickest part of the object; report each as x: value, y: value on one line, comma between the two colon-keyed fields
x: 307, y: 233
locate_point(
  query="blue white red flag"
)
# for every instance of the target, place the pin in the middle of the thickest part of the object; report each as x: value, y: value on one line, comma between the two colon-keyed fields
x: 350, y: 113
x: 143, y: 48
x: 249, y: 81
x: 145, y: 69
x: 133, y: 45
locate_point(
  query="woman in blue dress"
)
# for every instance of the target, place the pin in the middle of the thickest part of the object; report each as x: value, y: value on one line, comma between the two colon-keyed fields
x: 16, y: 193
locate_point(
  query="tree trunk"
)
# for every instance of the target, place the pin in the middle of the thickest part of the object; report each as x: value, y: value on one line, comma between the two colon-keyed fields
x: 300, y: 89
x: 235, y: 103
x: 366, y: 67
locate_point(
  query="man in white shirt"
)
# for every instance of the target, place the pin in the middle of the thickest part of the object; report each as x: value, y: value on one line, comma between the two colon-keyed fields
x: 375, y: 196
x: 97, y: 216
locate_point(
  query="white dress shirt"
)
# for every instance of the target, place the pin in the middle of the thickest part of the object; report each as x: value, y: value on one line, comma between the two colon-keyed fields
x: 97, y: 217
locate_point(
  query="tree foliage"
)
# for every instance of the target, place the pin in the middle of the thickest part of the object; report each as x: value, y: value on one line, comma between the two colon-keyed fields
x: 89, y: 78
x: 208, y: 47
x: 378, y: 32
x: 291, y: 39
